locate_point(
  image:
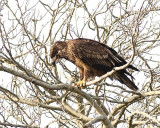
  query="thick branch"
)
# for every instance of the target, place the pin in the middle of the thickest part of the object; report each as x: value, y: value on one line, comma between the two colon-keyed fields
x: 145, y: 115
x: 31, y: 102
x: 133, y: 99
x: 75, y: 113
x: 106, y: 122
x: 95, y: 120
x: 16, y: 125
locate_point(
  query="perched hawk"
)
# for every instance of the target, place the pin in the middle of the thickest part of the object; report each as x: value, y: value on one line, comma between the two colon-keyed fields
x: 92, y: 59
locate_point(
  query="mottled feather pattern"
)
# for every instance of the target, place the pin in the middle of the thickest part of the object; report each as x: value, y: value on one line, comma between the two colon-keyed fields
x: 93, y: 59
x: 94, y: 53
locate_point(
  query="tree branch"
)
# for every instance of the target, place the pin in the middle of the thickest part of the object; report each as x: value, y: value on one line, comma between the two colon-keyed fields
x: 95, y: 120
x: 106, y: 122
x: 143, y: 114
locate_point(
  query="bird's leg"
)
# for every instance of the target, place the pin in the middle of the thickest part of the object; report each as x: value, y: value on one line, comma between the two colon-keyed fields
x: 81, y: 83
x: 83, y: 78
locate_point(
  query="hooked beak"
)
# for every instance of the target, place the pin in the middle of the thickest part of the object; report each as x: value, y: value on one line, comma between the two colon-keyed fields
x: 54, y: 61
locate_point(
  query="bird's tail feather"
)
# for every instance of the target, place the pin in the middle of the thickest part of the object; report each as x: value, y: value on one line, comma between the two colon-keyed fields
x: 132, y: 67
x: 121, y: 77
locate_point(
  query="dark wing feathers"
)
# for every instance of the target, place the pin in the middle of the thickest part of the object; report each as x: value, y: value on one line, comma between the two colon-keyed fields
x: 94, y: 59
x: 104, y: 59
x: 97, y: 54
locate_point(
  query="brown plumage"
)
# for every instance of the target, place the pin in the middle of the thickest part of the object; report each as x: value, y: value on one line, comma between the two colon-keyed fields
x: 93, y: 59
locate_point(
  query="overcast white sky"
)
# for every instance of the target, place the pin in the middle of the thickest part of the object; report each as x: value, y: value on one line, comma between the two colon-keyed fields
x: 91, y: 34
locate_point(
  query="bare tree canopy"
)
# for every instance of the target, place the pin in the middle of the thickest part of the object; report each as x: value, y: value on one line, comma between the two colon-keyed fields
x: 35, y: 94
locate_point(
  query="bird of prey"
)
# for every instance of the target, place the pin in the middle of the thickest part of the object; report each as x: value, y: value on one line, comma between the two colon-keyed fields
x: 92, y: 59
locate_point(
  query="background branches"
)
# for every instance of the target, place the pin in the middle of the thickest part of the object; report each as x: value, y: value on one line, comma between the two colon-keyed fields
x: 34, y: 94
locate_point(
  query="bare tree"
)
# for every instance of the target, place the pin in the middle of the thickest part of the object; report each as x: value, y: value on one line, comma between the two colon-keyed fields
x: 34, y: 94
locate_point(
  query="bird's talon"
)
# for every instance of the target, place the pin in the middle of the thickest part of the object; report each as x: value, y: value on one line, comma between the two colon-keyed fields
x: 80, y: 84
x: 75, y: 84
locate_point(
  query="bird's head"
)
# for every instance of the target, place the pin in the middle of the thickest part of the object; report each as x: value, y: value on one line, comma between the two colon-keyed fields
x: 56, y: 51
